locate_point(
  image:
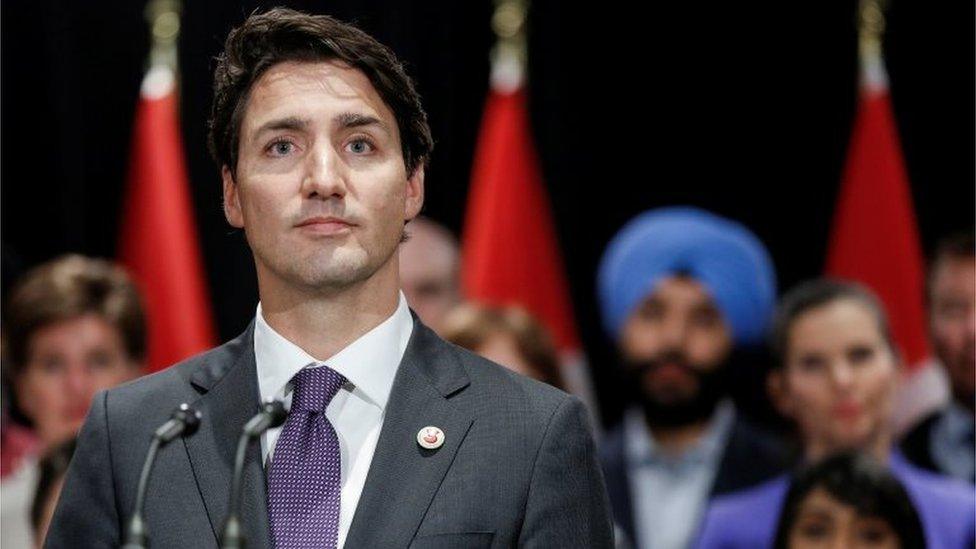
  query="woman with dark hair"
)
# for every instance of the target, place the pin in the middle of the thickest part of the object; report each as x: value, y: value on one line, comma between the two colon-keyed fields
x: 835, y: 379
x: 848, y: 500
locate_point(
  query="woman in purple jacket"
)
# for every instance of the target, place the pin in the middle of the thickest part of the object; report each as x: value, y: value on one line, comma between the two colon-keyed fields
x: 838, y: 371
x: 848, y: 500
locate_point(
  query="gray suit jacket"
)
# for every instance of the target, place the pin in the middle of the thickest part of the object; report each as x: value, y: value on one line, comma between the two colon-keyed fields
x: 517, y: 467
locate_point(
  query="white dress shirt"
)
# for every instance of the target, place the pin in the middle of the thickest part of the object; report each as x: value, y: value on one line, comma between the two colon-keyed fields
x: 356, y: 412
x: 670, y: 492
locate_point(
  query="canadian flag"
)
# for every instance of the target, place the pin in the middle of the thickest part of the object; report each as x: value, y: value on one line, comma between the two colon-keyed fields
x: 158, y: 241
x: 875, y: 239
x: 511, y: 253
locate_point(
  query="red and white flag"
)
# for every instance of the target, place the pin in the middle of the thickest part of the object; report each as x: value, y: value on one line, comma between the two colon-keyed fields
x: 158, y: 240
x: 875, y: 238
x: 511, y: 253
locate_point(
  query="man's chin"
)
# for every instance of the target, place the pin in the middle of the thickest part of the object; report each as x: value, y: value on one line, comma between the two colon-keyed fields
x: 672, y: 414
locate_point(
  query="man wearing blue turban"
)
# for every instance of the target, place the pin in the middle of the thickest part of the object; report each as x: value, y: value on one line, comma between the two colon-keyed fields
x: 681, y: 290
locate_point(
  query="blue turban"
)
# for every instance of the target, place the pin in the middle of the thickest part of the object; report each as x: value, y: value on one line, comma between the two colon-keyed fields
x: 722, y: 255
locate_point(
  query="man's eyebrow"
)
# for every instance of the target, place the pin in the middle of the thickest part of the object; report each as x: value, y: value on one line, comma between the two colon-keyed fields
x: 355, y: 120
x: 287, y: 123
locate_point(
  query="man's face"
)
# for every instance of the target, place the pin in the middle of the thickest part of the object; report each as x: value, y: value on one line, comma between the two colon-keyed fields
x: 429, y: 275
x: 674, y: 345
x: 320, y: 189
x: 952, y: 321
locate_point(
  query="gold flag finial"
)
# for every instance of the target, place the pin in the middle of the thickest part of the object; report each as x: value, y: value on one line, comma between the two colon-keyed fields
x: 871, y: 27
x: 508, y: 57
x: 163, y: 17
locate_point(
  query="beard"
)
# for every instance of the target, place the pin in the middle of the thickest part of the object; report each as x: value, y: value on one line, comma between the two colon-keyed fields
x: 665, y: 409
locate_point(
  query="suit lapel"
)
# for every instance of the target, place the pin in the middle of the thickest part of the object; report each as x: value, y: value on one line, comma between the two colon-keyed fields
x: 615, y: 476
x: 230, y: 397
x: 404, y: 477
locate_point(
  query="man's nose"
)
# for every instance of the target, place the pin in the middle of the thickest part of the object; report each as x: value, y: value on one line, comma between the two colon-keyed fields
x: 324, y: 174
x: 674, y: 332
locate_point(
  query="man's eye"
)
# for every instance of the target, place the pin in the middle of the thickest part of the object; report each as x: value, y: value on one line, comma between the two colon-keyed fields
x: 360, y: 146
x: 281, y: 148
x: 706, y: 319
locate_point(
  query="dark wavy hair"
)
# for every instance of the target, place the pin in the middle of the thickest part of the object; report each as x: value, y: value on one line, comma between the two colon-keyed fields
x: 860, y: 482
x: 280, y: 35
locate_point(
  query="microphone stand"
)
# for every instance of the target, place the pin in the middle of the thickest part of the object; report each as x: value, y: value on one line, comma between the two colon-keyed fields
x: 185, y: 420
x: 272, y: 414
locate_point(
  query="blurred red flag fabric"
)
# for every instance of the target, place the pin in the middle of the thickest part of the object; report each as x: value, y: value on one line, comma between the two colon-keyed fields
x: 875, y: 237
x: 158, y: 243
x: 510, y: 250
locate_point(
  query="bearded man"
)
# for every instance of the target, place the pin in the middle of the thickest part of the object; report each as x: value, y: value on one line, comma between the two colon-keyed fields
x: 681, y: 292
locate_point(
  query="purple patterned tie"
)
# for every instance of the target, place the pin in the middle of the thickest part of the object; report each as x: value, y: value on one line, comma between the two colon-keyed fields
x: 303, y: 486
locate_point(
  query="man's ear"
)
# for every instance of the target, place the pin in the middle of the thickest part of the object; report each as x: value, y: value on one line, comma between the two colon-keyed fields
x: 232, y: 200
x: 776, y: 387
x: 415, y: 194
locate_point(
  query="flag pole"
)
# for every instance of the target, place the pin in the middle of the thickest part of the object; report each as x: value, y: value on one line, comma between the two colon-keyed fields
x: 158, y: 241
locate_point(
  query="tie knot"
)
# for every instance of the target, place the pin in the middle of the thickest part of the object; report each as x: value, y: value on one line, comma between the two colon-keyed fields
x: 314, y: 387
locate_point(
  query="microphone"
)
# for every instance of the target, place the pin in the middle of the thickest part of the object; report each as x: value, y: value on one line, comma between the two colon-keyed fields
x: 185, y: 420
x: 272, y: 415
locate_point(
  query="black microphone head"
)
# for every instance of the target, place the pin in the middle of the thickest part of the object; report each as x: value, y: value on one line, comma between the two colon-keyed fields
x: 276, y: 413
x: 190, y: 418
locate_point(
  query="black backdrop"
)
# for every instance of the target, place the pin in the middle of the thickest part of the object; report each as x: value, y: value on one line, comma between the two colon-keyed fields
x: 743, y: 108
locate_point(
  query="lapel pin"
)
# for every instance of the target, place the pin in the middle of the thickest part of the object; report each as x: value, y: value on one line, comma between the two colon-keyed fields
x: 430, y: 437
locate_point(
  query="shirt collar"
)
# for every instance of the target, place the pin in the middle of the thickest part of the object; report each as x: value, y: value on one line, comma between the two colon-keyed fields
x: 369, y: 363
x: 954, y: 427
x: 642, y: 449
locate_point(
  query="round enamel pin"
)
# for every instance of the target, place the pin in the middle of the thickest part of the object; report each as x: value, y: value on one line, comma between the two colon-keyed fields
x: 430, y: 437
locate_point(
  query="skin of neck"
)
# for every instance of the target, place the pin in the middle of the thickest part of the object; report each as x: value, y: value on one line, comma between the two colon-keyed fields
x: 323, y: 321
x: 878, y: 446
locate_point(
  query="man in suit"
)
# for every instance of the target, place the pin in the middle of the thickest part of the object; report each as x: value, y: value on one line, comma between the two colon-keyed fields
x: 944, y: 441
x: 394, y: 438
x: 681, y: 290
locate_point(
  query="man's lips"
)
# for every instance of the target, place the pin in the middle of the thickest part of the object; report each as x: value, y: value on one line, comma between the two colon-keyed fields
x: 325, y: 225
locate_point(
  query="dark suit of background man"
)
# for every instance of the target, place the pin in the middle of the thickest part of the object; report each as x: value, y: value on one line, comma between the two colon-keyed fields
x: 680, y: 289
x: 944, y: 441
x: 323, y: 142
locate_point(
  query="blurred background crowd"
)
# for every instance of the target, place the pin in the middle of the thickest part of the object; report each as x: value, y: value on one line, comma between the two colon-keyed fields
x: 742, y: 235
